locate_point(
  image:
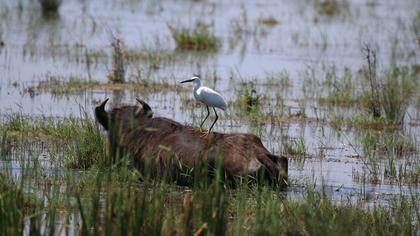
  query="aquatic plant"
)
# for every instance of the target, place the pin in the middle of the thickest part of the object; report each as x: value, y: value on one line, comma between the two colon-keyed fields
x: 396, y: 89
x: 327, y: 7
x: 295, y: 148
x: 113, y: 202
x: 50, y: 7
x: 84, y: 144
x: 117, y: 74
x: 271, y: 21
x: 388, y: 96
x: 198, y: 39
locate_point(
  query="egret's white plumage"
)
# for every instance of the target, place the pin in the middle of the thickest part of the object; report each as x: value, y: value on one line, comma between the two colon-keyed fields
x: 210, y: 97
x: 207, y: 96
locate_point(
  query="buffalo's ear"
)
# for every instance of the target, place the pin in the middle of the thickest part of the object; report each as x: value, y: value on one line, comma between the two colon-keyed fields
x: 101, y: 115
x: 147, y: 111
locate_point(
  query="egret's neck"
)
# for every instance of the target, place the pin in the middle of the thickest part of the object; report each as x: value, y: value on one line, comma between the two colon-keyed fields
x: 197, y: 84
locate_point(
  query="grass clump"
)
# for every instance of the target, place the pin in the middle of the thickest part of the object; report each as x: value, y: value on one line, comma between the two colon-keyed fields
x: 50, y: 7
x: 117, y: 74
x: 248, y: 99
x: 384, y: 99
x: 153, y: 57
x: 81, y: 139
x: 328, y: 7
x: 270, y: 21
x: 87, y: 146
x: 198, y: 39
x: 389, y: 96
x: 295, y: 148
x: 341, y: 90
x: 396, y: 92
x: 416, y: 26
x: 394, y: 143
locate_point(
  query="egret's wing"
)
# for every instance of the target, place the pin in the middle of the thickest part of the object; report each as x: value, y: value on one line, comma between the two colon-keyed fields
x: 211, y: 98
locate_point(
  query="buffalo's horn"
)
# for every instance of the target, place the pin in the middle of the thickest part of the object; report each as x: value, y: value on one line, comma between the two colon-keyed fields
x: 146, y: 108
x: 101, y: 115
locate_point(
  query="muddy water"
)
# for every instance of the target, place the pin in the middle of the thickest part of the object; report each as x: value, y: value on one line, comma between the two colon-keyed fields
x: 36, y: 48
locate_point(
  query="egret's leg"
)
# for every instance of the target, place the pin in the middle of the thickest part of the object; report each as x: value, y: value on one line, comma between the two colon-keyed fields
x: 217, y: 117
x: 208, y: 113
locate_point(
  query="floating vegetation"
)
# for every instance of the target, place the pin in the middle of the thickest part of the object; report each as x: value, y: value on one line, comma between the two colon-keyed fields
x: 198, y: 39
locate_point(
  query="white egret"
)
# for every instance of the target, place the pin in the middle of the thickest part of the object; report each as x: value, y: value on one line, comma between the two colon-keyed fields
x: 207, y: 96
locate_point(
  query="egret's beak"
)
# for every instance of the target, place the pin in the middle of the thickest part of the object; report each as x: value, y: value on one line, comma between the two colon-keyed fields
x: 186, y: 81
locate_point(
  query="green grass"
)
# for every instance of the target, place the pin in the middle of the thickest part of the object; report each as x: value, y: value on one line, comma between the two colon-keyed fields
x: 394, y: 143
x: 384, y: 99
x: 397, y: 90
x: 341, y: 90
x: 388, y: 96
x: 198, y: 39
x: 80, y: 139
x: 109, y: 199
x: 107, y: 204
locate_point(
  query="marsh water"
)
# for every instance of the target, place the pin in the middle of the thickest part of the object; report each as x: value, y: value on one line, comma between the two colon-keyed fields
x: 286, y: 62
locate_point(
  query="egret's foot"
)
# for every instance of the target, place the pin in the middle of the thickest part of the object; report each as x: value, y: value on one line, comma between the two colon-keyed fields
x: 205, y: 135
x: 200, y: 130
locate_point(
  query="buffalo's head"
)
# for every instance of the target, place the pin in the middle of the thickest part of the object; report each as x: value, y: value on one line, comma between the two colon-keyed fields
x: 125, y: 112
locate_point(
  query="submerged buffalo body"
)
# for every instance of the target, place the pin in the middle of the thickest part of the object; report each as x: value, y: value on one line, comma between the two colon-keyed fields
x: 169, y: 144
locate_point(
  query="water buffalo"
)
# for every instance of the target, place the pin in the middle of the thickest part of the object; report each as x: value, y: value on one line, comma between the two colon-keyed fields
x: 170, y: 145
